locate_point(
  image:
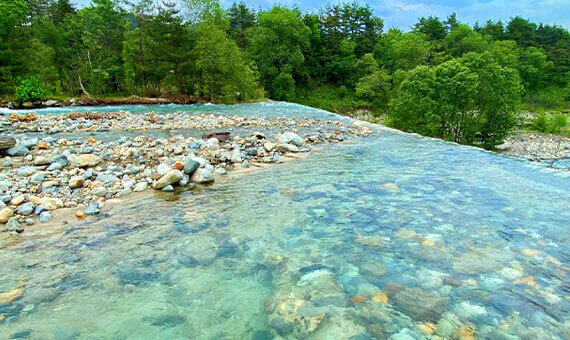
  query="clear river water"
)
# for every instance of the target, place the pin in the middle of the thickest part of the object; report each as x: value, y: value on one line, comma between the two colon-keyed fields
x: 391, y: 236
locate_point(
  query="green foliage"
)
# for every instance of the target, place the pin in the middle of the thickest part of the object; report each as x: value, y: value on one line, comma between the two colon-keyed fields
x: 431, y: 27
x: 277, y: 46
x: 375, y: 89
x: 29, y: 89
x: 549, y: 123
x: 402, y: 51
x: 221, y: 70
x: 462, y: 39
x: 469, y: 100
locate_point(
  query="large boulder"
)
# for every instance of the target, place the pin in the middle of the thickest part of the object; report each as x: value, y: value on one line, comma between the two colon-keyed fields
x: 171, y: 177
x: 290, y: 138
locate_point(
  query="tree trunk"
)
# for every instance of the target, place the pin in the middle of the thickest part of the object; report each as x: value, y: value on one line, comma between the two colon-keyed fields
x: 83, y: 88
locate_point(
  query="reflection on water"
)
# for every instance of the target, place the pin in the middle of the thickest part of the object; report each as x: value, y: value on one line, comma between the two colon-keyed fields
x: 391, y: 235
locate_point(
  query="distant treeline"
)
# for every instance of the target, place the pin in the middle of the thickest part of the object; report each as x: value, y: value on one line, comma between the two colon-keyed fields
x: 443, y: 78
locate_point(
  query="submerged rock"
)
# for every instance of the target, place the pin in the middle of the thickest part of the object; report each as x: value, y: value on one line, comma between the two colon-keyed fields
x: 417, y: 303
x: 482, y: 260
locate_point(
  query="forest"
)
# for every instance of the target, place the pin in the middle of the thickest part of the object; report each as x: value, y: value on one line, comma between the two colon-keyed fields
x: 440, y: 78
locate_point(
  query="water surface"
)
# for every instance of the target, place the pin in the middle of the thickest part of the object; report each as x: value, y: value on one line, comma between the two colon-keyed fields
x: 445, y: 233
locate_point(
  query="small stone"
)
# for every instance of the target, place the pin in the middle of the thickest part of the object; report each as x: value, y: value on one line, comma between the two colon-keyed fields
x: 191, y: 166
x: 45, y: 216
x: 286, y: 148
x: 163, y: 168
x: 124, y: 192
x: 14, y: 226
x: 202, y: 176
x: 6, y: 214
x: 39, y: 161
x: 358, y: 299
x: 107, y: 178
x: 100, y: 191
x: 179, y: 166
x: 76, y: 182
x: 268, y: 146
x: 80, y: 215
x: 392, y: 187
x: 37, y: 178
x: 220, y: 171
x: 18, y: 200
x: 168, y: 188
x: 92, y: 209
x: 406, y: 234
x: 42, y: 146
x: 290, y: 138
x: 141, y: 186
x: 18, y: 151
x: 51, y: 203
x: 171, y: 177
x: 380, y: 298
x: 85, y: 160
x: 26, y: 209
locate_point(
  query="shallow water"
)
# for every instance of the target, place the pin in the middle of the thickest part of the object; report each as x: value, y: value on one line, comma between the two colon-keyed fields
x: 447, y: 232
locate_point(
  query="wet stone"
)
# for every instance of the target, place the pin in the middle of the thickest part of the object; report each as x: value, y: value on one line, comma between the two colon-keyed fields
x: 419, y: 304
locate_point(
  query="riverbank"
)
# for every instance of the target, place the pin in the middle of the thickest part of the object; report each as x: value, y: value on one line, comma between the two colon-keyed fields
x: 80, y: 161
x: 536, y: 147
x: 92, y: 101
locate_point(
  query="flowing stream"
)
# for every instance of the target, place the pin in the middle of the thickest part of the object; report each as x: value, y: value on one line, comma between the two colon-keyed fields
x: 388, y: 236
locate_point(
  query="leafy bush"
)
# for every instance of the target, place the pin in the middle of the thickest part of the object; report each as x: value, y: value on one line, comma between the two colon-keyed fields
x: 554, y: 123
x: 29, y: 89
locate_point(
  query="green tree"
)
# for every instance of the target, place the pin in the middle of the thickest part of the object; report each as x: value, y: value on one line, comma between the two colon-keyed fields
x: 241, y: 19
x: 522, y: 31
x: 534, y: 68
x: 498, y: 94
x: 431, y: 27
x: 221, y: 70
x: 277, y: 46
x: 463, y: 39
x: 375, y: 88
x: 397, y: 50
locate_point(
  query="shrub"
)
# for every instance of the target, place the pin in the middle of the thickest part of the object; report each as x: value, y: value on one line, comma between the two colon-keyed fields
x: 554, y: 124
x: 29, y: 89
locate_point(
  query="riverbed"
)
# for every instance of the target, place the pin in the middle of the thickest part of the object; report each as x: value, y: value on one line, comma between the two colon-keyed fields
x: 384, y: 236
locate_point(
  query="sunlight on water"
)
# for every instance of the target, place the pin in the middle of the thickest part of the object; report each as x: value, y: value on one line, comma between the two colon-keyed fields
x: 386, y: 236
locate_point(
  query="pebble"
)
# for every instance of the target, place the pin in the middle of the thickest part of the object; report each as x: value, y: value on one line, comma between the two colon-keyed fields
x: 6, y: 214
x: 169, y: 178
x: 45, y: 216
x: 26, y: 209
x: 92, y: 209
x: 14, y: 226
x: 141, y: 186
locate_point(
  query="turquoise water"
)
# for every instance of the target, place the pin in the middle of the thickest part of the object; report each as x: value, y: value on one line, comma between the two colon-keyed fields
x: 447, y: 234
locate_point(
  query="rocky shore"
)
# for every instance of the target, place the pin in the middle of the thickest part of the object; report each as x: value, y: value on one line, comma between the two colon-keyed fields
x: 89, y: 101
x: 536, y: 146
x: 45, y: 172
